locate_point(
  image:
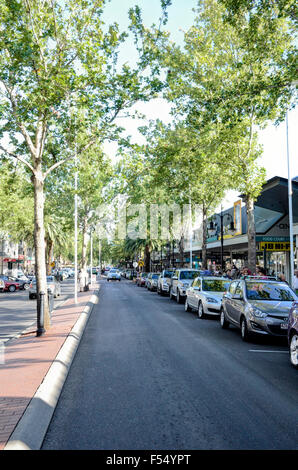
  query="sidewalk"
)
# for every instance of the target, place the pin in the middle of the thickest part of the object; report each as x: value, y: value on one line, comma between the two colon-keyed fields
x: 34, y: 371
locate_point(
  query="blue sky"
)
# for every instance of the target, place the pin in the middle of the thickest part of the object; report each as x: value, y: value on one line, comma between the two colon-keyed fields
x: 180, y: 18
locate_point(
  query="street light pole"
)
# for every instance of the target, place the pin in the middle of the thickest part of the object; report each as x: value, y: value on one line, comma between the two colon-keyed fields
x: 190, y: 234
x: 221, y: 239
x: 76, y: 229
x: 232, y: 229
x: 290, y: 193
x: 91, y: 256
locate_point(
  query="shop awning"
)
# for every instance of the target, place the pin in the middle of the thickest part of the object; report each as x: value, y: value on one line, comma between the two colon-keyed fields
x: 274, y: 196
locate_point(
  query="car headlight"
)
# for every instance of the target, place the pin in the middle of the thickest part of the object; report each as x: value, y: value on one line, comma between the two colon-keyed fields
x: 211, y: 300
x: 256, y: 312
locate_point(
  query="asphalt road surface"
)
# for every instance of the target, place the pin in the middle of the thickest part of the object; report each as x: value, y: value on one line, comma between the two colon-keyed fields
x: 148, y: 375
x: 17, y: 312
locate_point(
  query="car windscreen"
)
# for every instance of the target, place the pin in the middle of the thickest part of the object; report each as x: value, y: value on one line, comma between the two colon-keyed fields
x: 168, y: 274
x: 144, y: 274
x: 268, y: 291
x: 189, y: 274
x: 155, y: 276
x: 215, y: 285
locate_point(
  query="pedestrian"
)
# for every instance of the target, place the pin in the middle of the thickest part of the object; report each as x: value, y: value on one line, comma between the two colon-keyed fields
x: 296, y: 281
x: 228, y: 274
x: 282, y: 278
x: 81, y: 279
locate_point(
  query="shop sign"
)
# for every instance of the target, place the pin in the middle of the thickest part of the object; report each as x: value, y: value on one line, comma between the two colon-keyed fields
x: 237, y: 218
x: 272, y: 239
x: 212, y: 239
x: 274, y: 246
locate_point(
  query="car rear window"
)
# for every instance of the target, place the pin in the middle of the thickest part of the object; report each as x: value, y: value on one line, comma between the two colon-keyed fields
x: 215, y: 285
x: 269, y: 291
x: 189, y: 274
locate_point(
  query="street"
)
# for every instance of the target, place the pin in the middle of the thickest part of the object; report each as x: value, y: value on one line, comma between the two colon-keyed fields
x: 19, y: 313
x: 148, y: 375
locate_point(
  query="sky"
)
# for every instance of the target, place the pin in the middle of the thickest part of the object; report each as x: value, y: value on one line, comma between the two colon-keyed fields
x: 273, y: 139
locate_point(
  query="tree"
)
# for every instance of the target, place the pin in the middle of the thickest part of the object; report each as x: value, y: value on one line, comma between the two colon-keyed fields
x: 235, y: 80
x: 190, y: 165
x: 53, y: 55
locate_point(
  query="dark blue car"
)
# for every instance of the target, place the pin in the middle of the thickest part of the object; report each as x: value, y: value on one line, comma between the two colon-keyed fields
x: 293, y: 335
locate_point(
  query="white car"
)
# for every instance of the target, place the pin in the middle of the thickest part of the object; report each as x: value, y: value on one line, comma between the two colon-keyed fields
x: 205, y: 295
x: 53, y: 287
x: 114, y: 275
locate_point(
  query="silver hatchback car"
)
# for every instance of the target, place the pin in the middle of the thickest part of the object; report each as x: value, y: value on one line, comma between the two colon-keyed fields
x: 257, y: 307
x: 205, y: 295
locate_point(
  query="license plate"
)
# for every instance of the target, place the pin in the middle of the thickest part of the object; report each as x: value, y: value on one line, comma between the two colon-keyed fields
x: 284, y: 326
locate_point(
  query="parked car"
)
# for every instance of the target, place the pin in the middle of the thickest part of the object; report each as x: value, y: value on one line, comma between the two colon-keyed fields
x: 24, y: 282
x: 180, y: 281
x: 2, y: 285
x: 114, y: 275
x: 10, y: 283
x: 164, y: 281
x: 205, y: 295
x: 53, y: 285
x: 147, y: 279
x: 152, y: 281
x: 257, y: 307
x: 141, y: 280
x: 293, y: 334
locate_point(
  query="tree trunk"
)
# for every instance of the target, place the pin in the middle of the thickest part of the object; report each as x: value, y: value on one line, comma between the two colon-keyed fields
x: 204, y: 239
x: 39, y: 239
x: 147, y: 259
x: 181, y: 250
x: 251, y: 234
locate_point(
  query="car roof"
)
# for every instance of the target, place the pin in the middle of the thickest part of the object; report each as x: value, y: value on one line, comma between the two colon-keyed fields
x: 216, y: 278
x: 186, y: 269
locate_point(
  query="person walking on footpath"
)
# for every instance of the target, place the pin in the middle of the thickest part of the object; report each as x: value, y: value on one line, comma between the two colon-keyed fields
x: 296, y: 281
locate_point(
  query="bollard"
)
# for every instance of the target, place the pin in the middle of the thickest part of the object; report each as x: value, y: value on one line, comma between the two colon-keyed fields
x: 40, y: 315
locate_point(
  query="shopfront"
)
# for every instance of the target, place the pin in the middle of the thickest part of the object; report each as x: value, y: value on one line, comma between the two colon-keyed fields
x: 272, y: 231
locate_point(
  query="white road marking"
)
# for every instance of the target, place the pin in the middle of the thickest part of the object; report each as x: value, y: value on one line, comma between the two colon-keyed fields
x: 265, y: 351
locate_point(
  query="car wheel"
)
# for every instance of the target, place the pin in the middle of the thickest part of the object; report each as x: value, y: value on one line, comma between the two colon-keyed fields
x: 26, y: 286
x: 245, y: 335
x: 12, y: 288
x: 294, y: 350
x: 201, y: 312
x: 187, y: 308
x: 178, y: 297
x: 171, y: 293
x: 223, y: 322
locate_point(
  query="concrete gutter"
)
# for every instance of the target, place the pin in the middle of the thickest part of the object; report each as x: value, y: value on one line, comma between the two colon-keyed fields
x: 32, y: 427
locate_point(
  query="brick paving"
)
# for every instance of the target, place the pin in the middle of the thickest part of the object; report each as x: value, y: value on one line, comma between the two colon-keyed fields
x: 28, y: 358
